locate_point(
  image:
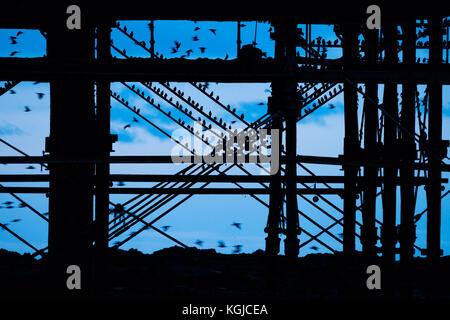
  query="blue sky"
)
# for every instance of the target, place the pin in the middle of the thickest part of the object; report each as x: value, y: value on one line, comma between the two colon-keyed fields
x: 202, y: 217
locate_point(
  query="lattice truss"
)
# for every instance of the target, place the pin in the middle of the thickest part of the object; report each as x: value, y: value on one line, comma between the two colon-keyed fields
x: 320, y: 206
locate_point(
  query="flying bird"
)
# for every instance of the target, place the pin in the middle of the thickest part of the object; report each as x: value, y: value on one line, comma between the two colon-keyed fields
x: 314, y: 248
x: 202, y: 49
x: 196, y: 28
x: 194, y: 38
x: 15, y: 220
x: 213, y: 31
x: 120, y: 183
x: 199, y: 243
x: 237, y: 248
x: 165, y: 228
x: 135, y: 120
x: 221, y: 244
x: 226, y: 56
x: 237, y: 225
x: 177, y: 44
x: 332, y: 106
x: 126, y: 126
x: 19, y: 33
x: 7, y: 203
x: 12, y: 91
x: 40, y: 95
x: 243, y: 25
x: 29, y: 167
x: 188, y: 52
x: 13, y: 40
x: 13, y: 53
x: 27, y: 109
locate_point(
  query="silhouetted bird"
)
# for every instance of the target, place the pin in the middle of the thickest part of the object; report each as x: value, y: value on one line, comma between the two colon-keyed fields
x: 237, y: 248
x: 120, y: 183
x: 202, y: 49
x: 21, y: 205
x: 40, y: 95
x: 135, y: 120
x: 177, y: 44
x: 27, y: 109
x: 261, y: 104
x: 243, y: 25
x: 314, y: 248
x: 196, y: 28
x: 341, y: 235
x: 221, y: 244
x: 226, y: 56
x: 188, y: 52
x: 13, y: 53
x: 237, y: 225
x: 165, y: 228
x: 7, y: 203
x: 12, y: 91
x: 194, y: 38
x: 29, y: 167
x: 45, y: 213
x: 19, y: 33
x: 15, y: 220
x: 127, y: 126
x: 13, y: 40
x: 332, y: 106
x: 213, y: 31
x: 199, y: 243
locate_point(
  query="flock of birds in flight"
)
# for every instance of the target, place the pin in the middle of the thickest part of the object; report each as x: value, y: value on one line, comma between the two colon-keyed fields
x: 175, y: 49
x: 40, y: 95
x: 220, y: 243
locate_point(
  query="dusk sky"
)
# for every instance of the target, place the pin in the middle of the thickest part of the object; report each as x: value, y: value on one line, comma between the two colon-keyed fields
x: 202, y: 217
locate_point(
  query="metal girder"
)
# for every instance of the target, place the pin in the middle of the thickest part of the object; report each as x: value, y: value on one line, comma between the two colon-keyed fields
x: 207, y: 70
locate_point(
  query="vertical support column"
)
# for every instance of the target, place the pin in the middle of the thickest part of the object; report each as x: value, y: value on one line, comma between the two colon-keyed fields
x: 407, y: 228
x: 238, y: 41
x: 71, y: 132
x: 103, y: 152
x: 152, y: 38
x: 436, y: 146
x: 275, y: 204
x: 351, y: 145
x: 284, y: 95
x: 368, y: 232
x: 390, y: 103
x: 275, y: 198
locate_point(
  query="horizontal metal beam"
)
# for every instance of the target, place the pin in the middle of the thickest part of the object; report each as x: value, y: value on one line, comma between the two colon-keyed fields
x: 200, y: 70
x: 338, y: 161
x: 200, y: 191
x: 206, y: 178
